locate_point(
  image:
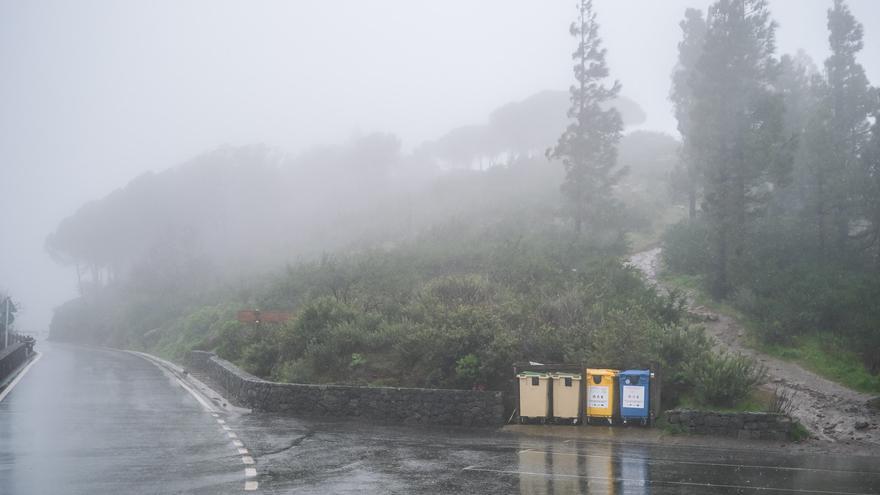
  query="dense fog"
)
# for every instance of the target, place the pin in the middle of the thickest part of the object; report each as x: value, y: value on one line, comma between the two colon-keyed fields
x: 103, y: 100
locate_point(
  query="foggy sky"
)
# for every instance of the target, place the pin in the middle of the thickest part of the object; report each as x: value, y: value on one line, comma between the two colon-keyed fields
x: 94, y: 93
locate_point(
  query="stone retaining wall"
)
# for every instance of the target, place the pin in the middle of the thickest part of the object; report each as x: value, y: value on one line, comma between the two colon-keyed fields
x: 745, y: 426
x: 386, y: 404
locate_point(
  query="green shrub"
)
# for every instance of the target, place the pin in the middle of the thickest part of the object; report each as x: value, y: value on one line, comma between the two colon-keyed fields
x: 799, y: 432
x: 676, y: 348
x: 723, y: 380
x: 467, y: 370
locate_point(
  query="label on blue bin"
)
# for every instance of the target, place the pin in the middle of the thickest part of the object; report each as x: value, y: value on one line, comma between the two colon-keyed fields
x: 633, y: 397
x: 598, y: 397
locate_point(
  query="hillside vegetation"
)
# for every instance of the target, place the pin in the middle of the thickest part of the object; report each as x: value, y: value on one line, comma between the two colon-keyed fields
x: 422, y: 276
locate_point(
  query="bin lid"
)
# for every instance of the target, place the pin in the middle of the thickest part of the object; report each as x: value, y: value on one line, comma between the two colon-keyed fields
x: 636, y: 372
x: 573, y: 376
x: 527, y: 374
x: 601, y: 371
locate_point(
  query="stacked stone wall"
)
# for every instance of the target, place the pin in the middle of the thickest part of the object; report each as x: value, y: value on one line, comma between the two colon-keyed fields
x: 744, y: 426
x: 384, y: 404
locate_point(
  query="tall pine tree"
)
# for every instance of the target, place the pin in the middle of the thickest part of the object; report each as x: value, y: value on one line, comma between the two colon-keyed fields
x: 737, y: 127
x: 690, y: 49
x: 849, y: 104
x: 588, y: 147
x: 869, y: 191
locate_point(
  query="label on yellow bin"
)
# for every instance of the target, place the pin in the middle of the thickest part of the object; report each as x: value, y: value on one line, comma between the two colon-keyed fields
x: 598, y: 397
x: 633, y: 397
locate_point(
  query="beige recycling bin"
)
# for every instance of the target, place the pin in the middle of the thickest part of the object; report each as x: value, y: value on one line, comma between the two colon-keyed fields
x: 534, y: 397
x: 566, y: 397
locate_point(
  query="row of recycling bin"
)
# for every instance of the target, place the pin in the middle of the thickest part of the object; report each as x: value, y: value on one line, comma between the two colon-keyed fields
x: 609, y: 394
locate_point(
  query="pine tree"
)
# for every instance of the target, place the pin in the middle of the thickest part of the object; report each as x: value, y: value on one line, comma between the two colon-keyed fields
x: 737, y: 126
x: 588, y: 147
x: 869, y: 191
x: 849, y: 104
x: 690, y: 49
x: 800, y: 84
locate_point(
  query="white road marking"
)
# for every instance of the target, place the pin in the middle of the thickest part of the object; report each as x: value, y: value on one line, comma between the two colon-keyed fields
x: 250, y: 486
x: 243, y: 451
x: 695, y: 463
x: 247, y: 459
x: 658, y: 482
x: 18, y: 378
x: 221, y: 421
x: 215, y: 415
x: 226, y: 427
x: 231, y: 434
x: 205, y: 404
x: 250, y: 472
x: 237, y: 443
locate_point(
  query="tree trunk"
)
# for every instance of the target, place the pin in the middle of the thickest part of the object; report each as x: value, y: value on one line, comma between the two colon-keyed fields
x: 723, y: 215
x: 719, y: 285
x: 820, y: 214
x: 79, y: 283
x: 692, y: 201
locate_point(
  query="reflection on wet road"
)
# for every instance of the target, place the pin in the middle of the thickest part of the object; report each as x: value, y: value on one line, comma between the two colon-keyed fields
x: 636, y: 470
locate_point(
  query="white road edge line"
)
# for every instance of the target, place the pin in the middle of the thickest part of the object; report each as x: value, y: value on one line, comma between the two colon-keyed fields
x: 18, y: 378
x: 205, y: 404
x: 659, y: 482
x: 249, y: 486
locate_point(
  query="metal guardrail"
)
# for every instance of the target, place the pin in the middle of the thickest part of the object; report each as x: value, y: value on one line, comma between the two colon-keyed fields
x: 18, y: 351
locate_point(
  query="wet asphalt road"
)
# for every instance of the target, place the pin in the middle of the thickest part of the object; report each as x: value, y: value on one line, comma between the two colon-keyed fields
x: 298, y: 456
x: 94, y: 421
x: 86, y: 421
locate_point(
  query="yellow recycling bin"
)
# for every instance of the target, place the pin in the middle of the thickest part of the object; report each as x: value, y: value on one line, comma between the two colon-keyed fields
x: 600, y: 394
x: 534, y: 400
x: 566, y: 397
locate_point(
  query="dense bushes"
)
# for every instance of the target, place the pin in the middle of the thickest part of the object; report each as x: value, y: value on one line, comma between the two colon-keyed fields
x: 441, y: 313
x: 454, y: 308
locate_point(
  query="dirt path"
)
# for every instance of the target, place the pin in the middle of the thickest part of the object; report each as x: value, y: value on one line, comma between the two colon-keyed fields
x: 829, y: 410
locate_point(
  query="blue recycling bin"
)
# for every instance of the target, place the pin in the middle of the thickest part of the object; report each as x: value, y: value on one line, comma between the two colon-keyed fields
x: 635, y: 397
